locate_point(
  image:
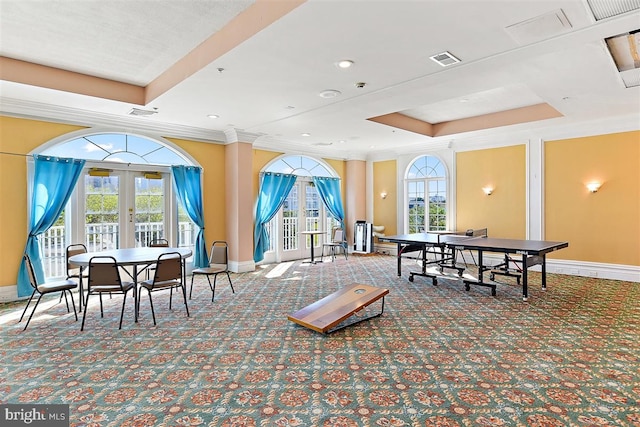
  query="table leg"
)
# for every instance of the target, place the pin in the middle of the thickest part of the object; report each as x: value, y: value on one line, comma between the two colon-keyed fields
x: 544, y: 272
x: 399, y: 252
x: 135, y: 293
x: 313, y: 244
x: 525, y: 268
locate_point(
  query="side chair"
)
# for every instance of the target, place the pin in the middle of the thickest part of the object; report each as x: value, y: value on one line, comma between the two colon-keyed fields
x: 168, y: 275
x: 47, y: 288
x: 104, y: 278
x: 74, y: 272
x: 156, y: 243
x: 218, y: 263
x: 337, y: 241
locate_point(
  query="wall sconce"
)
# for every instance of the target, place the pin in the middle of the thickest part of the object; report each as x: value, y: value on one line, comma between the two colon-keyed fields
x: 383, y: 194
x: 487, y: 190
x: 593, y: 187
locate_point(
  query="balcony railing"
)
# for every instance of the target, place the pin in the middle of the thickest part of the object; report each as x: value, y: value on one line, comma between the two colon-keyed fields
x: 103, y: 237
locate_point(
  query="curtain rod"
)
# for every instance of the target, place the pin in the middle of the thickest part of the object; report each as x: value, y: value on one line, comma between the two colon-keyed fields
x: 15, y: 154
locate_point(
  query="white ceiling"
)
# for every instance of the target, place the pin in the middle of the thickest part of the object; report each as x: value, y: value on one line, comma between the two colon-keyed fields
x: 268, y: 91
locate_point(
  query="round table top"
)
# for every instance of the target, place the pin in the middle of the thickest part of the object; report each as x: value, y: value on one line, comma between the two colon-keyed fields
x: 129, y: 256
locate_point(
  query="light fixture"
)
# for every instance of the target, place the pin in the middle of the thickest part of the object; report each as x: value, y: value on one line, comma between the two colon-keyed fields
x: 345, y: 63
x: 152, y: 175
x: 99, y: 172
x: 330, y: 93
x: 487, y: 190
x: 213, y: 116
x: 383, y: 194
x: 593, y: 187
x: 305, y: 134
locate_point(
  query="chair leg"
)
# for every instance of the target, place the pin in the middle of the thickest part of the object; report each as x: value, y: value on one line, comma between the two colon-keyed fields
x: 153, y: 314
x: 212, y: 287
x: 101, y: 310
x: 191, y: 290
x: 72, y: 303
x: 184, y: 296
x: 124, y: 301
x: 231, y: 284
x: 84, y: 315
x: 170, y: 296
x: 31, y: 315
x: 27, y: 306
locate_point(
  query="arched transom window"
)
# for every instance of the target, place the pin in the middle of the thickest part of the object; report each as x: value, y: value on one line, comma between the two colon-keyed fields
x: 426, y: 195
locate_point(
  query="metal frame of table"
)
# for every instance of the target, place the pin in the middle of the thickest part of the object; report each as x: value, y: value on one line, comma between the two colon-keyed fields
x: 129, y: 257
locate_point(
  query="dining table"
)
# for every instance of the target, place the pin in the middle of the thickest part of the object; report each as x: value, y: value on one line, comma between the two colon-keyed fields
x: 139, y: 259
x: 313, y: 234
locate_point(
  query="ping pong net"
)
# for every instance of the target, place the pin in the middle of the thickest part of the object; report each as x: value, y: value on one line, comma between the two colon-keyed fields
x: 461, y: 236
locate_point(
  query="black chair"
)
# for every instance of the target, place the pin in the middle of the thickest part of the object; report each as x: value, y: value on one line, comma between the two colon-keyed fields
x: 168, y: 275
x: 104, y: 278
x: 338, y: 240
x: 156, y: 243
x: 62, y: 286
x: 218, y: 263
x: 73, y: 271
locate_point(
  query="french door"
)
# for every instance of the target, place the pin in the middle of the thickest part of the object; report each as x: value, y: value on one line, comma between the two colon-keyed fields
x: 302, y: 210
x: 122, y: 209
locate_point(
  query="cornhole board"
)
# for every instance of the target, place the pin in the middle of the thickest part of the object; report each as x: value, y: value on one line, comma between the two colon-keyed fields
x: 325, y: 314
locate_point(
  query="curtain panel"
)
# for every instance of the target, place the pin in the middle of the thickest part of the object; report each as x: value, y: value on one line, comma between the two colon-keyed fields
x: 188, y: 185
x: 329, y: 190
x: 54, y: 179
x: 274, y: 188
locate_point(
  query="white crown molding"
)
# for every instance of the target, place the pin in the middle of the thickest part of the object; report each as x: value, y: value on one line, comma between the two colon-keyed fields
x: 60, y: 114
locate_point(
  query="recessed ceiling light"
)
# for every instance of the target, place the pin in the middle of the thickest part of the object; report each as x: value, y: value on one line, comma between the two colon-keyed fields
x: 213, y: 116
x: 306, y: 134
x: 330, y: 93
x: 345, y: 63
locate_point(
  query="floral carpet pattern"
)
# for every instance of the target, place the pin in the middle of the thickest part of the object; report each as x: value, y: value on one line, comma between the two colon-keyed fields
x: 438, y: 356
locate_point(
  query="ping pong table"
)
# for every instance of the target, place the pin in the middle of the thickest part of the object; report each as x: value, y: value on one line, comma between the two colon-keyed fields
x: 532, y: 252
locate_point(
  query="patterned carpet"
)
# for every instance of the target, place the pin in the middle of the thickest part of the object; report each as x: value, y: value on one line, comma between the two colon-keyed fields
x: 438, y: 356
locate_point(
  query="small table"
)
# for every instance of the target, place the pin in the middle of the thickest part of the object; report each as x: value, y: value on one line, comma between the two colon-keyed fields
x: 134, y: 257
x: 331, y: 310
x: 313, y: 234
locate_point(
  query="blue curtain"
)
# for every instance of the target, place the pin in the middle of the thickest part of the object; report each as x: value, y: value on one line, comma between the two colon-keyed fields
x: 274, y: 188
x: 329, y: 190
x: 188, y: 185
x: 53, y: 182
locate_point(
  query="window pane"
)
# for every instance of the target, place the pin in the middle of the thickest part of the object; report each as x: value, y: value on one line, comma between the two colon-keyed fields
x: 101, y: 212
x: 149, y: 210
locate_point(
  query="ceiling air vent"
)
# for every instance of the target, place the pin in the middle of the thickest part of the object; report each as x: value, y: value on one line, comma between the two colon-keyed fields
x: 141, y: 112
x: 603, y: 9
x: 445, y: 59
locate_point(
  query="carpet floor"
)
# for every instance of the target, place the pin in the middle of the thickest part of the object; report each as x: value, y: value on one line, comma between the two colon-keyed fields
x: 438, y: 356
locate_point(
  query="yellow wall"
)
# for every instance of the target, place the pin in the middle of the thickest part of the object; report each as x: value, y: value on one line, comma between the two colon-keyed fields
x: 385, y: 210
x: 18, y: 136
x: 21, y: 136
x: 211, y: 158
x: 503, y: 213
x: 603, y: 226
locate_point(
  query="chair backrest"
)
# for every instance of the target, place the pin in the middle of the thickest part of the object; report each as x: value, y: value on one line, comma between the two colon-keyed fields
x: 32, y: 275
x: 338, y: 235
x: 159, y: 243
x: 103, y: 270
x: 219, y: 253
x: 168, y: 267
x: 74, y: 249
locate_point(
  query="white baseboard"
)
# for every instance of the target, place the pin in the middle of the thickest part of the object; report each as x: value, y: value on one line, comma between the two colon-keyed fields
x: 8, y: 293
x: 242, y: 267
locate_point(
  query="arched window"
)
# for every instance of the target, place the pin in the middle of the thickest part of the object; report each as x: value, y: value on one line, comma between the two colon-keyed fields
x: 302, y: 210
x: 125, y: 197
x: 426, y: 195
